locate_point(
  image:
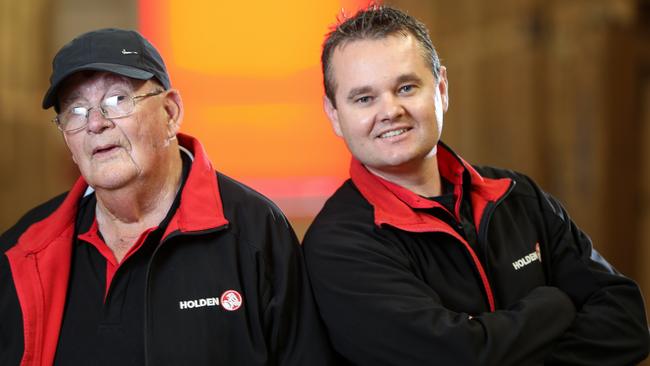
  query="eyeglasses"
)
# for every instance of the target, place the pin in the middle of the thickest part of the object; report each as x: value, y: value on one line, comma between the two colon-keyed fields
x: 115, y: 106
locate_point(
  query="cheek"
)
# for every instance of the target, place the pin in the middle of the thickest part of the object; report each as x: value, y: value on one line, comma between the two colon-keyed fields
x: 429, y: 114
x: 147, y: 142
x: 75, y: 148
x: 357, y: 123
x: 141, y: 136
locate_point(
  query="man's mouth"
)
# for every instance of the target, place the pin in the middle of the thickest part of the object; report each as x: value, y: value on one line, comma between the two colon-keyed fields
x: 393, y: 133
x: 104, y: 149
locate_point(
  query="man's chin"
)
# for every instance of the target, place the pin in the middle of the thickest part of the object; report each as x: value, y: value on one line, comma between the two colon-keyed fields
x: 109, y: 181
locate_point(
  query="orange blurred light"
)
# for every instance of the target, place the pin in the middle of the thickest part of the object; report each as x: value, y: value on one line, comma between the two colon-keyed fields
x: 249, y: 74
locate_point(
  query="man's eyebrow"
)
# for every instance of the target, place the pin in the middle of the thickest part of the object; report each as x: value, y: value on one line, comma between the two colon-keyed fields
x: 356, y: 91
x: 119, y: 81
x: 410, y: 77
x: 70, y: 98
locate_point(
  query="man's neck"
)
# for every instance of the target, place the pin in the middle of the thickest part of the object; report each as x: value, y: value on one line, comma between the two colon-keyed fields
x: 123, y: 214
x: 422, y: 178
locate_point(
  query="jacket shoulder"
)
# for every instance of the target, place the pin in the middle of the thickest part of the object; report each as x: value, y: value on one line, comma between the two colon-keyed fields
x: 36, y: 214
x: 526, y: 187
x: 254, y: 218
x: 236, y: 195
x: 523, y: 184
x: 346, y: 204
x: 346, y: 213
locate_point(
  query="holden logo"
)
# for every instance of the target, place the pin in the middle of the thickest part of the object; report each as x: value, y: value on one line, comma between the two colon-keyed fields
x: 231, y: 300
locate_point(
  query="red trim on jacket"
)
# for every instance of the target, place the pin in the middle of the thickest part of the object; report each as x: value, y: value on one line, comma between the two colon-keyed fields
x: 40, y: 260
x: 394, y: 205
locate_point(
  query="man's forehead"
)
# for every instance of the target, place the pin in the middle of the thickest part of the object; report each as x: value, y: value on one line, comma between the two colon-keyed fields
x: 82, y: 78
x: 396, y: 57
x: 383, y: 39
x: 75, y: 85
x: 358, y: 52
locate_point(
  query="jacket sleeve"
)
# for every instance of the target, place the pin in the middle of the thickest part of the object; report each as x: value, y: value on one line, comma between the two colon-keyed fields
x: 295, y: 333
x: 378, y: 312
x: 610, y: 327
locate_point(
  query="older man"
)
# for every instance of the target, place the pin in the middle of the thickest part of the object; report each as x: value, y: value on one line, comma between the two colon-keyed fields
x: 151, y: 258
x: 423, y: 259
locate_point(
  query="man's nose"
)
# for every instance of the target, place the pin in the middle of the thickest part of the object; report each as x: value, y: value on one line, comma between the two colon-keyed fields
x: 390, y: 108
x: 96, y: 121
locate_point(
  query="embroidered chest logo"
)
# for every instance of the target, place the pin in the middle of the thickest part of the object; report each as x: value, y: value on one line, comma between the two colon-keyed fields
x: 528, y: 259
x: 230, y: 300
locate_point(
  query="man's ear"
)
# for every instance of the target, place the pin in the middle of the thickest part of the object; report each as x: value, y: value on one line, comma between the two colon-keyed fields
x: 443, y: 87
x: 173, y: 106
x: 332, y: 115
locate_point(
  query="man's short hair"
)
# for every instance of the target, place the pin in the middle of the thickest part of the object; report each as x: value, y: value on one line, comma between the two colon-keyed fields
x: 375, y: 22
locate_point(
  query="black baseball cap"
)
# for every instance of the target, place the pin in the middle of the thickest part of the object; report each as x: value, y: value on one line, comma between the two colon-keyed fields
x: 123, y: 52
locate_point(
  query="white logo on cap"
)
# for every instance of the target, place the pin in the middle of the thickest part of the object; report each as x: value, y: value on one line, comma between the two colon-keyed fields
x: 125, y: 52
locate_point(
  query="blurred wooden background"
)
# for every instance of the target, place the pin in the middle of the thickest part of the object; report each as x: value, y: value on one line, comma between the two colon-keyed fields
x: 557, y: 89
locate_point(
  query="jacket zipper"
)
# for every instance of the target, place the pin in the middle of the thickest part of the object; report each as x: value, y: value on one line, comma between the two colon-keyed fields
x: 485, y: 221
x: 482, y: 240
x: 148, y: 275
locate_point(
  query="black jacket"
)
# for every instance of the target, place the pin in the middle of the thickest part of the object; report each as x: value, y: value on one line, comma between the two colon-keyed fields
x: 400, y: 280
x: 223, y: 237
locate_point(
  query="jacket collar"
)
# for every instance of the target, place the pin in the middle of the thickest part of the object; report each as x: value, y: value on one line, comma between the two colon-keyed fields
x: 396, y: 206
x: 200, y: 209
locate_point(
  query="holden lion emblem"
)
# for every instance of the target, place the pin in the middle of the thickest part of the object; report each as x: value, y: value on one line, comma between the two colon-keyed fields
x: 231, y: 300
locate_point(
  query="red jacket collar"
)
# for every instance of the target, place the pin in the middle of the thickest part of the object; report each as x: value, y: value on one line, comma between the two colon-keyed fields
x: 200, y: 207
x: 394, y: 205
